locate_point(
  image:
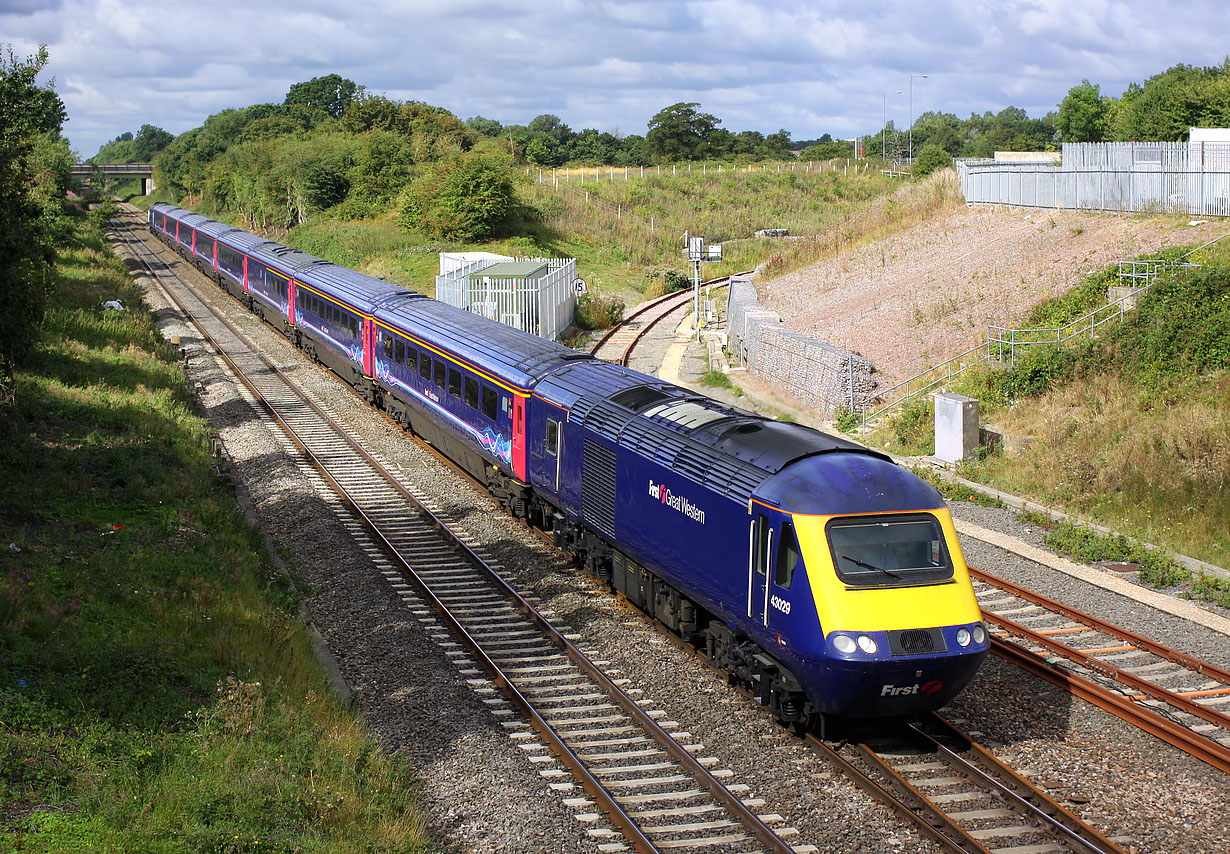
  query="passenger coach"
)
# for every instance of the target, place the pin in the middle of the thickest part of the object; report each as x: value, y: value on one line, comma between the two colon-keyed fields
x: 815, y: 571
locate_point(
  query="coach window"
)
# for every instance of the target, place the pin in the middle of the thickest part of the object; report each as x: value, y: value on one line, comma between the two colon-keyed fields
x: 400, y: 352
x: 454, y: 382
x: 552, y: 437
x: 472, y: 393
x: 787, y: 557
x: 412, y: 357
x: 425, y: 366
x: 489, y: 402
x: 440, y: 368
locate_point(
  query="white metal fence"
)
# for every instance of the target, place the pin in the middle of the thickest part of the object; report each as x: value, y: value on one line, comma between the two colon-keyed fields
x: 543, y: 307
x: 1164, y: 177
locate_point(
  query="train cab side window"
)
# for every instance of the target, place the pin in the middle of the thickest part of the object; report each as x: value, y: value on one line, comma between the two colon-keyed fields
x: 761, y: 558
x: 425, y: 366
x: 399, y: 352
x: 471, y: 393
x: 489, y: 402
x: 552, y: 442
x: 388, y: 346
x: 440, y: 368
x: 454, y: 382
x: 788, y: 557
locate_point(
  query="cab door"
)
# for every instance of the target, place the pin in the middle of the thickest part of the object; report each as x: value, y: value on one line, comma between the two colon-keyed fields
x: 760, y: 552
x: 774, y: 565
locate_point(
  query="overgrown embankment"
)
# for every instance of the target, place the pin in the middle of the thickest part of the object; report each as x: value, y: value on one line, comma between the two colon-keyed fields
x: 1131, y: 430
x: 157, y: 688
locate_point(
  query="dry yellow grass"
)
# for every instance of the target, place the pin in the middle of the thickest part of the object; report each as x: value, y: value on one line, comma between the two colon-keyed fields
x: 1129, y: 458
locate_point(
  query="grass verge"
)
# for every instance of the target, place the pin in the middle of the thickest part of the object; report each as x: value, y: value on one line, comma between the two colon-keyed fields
x: 157, y: 689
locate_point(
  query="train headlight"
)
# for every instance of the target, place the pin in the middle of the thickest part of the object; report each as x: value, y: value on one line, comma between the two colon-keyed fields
x: 963, y: 637
x: 867, y: 645
x: 843, y: 644
x: 980, y: 634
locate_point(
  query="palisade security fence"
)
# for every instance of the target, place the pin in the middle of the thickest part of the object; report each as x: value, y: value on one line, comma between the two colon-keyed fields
x: 1160, y: 177
x: 532, y: 299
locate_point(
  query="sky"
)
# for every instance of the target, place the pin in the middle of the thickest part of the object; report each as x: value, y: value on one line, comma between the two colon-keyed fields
x: 808, y: 66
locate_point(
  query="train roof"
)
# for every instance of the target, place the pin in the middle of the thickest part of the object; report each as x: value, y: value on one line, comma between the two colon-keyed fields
x: 726, y: 448
x: 847, y: 483
x: 283, y: 258
x: 357, y: 289
x: 517, y: 357
x: 216, y: 229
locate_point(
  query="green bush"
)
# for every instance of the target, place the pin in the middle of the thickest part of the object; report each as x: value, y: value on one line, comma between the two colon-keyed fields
x: 463, y: 198
x: 1039, y: 369
x: 930, y: 158
x: 1180, y: 328
x: 846, y: 419
x: 662, y: 281
x: 599, y: 312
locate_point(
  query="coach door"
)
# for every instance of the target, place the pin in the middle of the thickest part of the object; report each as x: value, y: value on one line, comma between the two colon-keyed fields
x: 518, y: 439
x: 760, y: 550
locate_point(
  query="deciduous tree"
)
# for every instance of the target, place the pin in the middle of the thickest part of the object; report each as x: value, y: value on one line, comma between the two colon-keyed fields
x: 1083, y: 114
x: 679, y: 132
x: 33, y: 176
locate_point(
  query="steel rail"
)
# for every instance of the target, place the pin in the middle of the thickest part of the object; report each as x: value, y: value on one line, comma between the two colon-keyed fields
x: 1190, y: 662
x: 605, y: 799
x: 682, y: 296
x: 1119, y: 674
x: 1039, y: 806
x: 1128, y: 708
x: 1172, y: 733
x: 927, y: 826
x: 994, y: 777
x: 588, y: 782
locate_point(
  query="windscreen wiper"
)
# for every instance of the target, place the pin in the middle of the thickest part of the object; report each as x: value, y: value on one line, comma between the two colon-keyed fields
x: 870, y: 566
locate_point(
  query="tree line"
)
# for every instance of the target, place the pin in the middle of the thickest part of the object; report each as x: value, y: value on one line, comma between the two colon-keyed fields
x: 1163, y: 109
x: 332, y: 146
x: 34, y: 177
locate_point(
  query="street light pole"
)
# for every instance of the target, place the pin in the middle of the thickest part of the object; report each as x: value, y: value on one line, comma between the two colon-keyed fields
x: 911, y: 151
x: 884, y: 126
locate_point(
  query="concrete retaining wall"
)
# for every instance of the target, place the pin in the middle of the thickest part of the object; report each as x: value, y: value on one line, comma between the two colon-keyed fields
x: 817, y: 374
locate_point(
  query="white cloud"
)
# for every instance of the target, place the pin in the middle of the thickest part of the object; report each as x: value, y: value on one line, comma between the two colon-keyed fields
x: 815, y: 67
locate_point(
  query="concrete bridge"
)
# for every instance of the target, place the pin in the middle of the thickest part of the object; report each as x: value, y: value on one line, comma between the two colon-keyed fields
x: 85, y: 171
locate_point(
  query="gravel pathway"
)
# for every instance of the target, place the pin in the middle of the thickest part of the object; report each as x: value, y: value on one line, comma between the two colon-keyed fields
x: 478, y: 786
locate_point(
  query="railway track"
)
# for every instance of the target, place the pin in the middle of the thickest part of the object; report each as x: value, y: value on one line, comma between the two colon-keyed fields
x: 621, y: 339
x: 1176, y: 697
x: 647, y: 781
x: 959, y: 795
